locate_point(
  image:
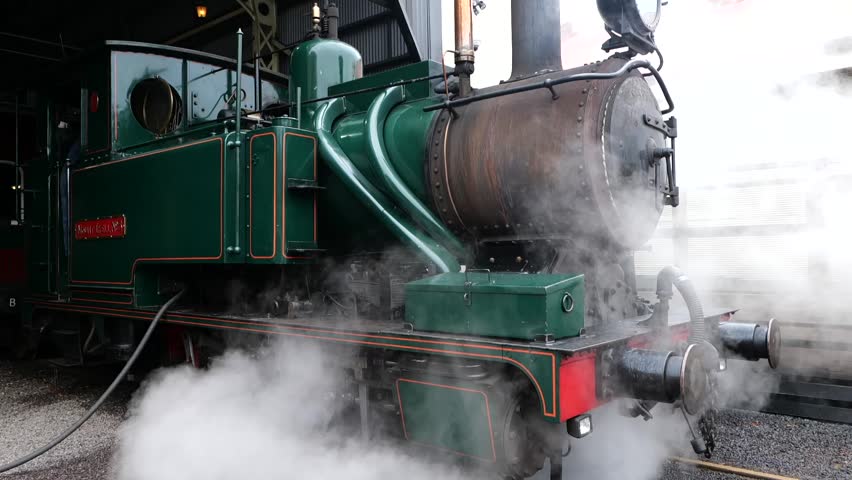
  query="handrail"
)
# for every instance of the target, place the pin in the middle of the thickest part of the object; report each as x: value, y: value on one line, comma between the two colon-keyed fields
x: 369, y: 195
x: 377, y: 115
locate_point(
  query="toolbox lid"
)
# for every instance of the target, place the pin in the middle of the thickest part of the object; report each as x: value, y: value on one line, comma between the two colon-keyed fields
x: 501, y: 283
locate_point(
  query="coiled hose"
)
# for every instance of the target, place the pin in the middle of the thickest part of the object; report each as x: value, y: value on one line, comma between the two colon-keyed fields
x: 673, y: 276
x: 65, y: 434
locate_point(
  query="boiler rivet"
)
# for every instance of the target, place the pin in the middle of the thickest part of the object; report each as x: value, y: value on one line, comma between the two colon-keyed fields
x: 491, y: 260
x: 582, y: 103
x: 579, y: 119
x: 519, y: 259
x: 578, y: 134
x: 435, y: 170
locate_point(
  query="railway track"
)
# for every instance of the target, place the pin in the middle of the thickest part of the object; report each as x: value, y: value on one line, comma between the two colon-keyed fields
x: 722, y: 468
x: 815, y: 378
x: 824, y: 399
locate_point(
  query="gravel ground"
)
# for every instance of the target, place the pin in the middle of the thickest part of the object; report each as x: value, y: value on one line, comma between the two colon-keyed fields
x: 36, y: 402
x: 778, y: 444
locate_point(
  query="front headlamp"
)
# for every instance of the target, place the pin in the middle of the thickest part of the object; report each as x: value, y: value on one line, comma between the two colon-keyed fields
x: 630, y: 23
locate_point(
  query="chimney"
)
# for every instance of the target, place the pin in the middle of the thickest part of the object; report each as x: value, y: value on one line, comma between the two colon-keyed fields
x: 536, y: 38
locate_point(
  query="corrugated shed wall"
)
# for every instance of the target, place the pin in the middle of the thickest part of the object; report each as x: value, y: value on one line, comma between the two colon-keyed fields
x: 374, y: 28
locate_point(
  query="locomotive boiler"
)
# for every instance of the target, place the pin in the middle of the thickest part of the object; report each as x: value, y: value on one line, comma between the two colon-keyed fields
x: 465, y: 253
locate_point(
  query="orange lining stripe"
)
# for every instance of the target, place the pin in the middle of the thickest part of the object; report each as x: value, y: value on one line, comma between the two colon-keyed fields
x: 81, y: 299
x: 451, y: 387
x: 274, y: 196
x: 284, y: 195
x: 170, y: 318
x: 154, y: 259
x: 105, y: 292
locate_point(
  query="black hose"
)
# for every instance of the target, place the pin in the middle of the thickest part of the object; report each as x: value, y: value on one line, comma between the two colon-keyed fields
x: 62, y: 436
x: 671, y: 275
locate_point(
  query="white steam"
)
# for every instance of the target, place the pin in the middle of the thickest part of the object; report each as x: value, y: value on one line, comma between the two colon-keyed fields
x: 268, y: 415
x: 629, y: 447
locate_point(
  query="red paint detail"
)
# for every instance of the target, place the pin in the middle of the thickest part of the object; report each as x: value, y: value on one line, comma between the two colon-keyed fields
x: 172, y: 318
x: 274, y: 196
x: 94, y: 102
x: 155, y: 259
x: 450, y: 387
x: 577, y: 381
x: 174, y: 344
x: 13, y: 267
x: 110, y: 227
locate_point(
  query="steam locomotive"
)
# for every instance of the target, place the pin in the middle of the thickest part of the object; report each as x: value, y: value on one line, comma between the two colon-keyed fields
x: 466, y: 253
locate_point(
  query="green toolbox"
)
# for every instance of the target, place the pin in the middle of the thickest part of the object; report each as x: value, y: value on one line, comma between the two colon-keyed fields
x: 513, y: 305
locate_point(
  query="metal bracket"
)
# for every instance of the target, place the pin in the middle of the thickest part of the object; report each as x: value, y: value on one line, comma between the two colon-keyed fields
x: 544, y: 338
x: 664, y: 126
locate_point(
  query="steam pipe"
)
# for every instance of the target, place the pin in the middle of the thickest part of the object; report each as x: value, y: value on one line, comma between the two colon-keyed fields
x: 377, y: 115
x: 257, y: 97
x: 673, y: 276
x: 464, y: 57
x: 369, y: 195
x: 536, y: 38
x: 549, y: 83
x: 235, y: 144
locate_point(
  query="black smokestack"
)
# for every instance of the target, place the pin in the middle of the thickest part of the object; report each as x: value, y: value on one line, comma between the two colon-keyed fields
x: 536, y: 37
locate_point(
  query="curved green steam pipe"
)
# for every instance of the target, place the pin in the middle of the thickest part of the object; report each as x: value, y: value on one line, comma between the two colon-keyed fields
x: 370, y: 196
x: 377, y: 114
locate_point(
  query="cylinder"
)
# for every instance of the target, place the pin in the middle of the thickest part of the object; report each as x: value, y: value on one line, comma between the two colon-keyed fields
x: 752, y: 341
x: 527, y: 166
x: 666, y: 377
x: 536, y: 38
x: 650, y: 375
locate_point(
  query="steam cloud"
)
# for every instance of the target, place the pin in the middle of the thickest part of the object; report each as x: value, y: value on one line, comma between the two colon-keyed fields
x: 746, y: 94
x: 267, y: 415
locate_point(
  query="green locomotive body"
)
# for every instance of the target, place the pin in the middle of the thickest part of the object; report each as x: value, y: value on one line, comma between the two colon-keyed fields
x: 372, y: 215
